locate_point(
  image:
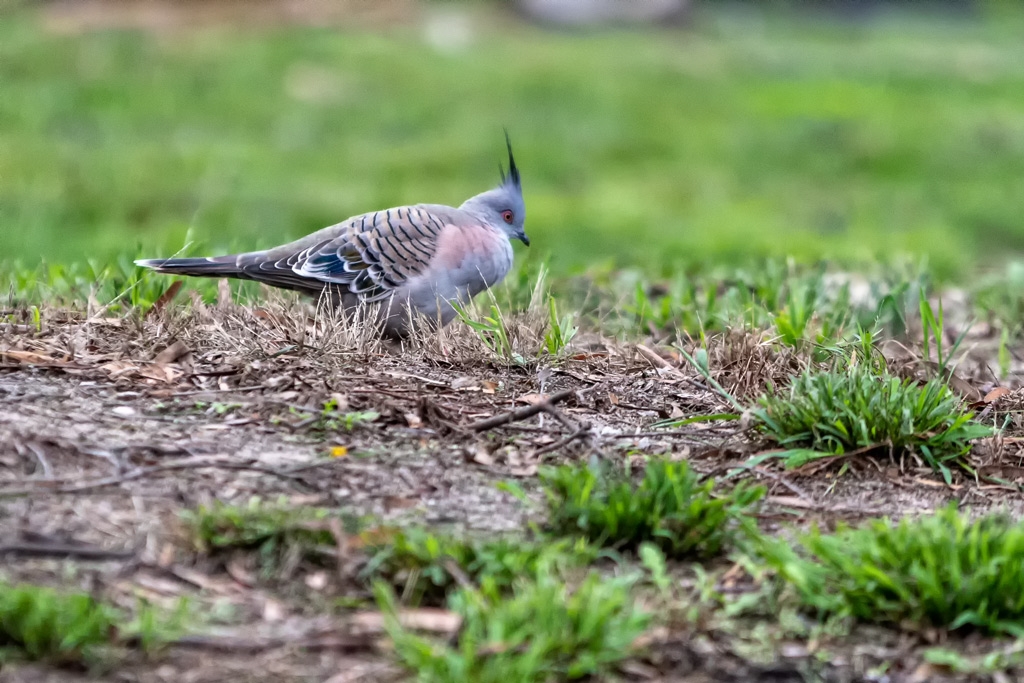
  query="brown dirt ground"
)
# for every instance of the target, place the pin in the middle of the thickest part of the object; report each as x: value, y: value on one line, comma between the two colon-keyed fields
x: 111, y: 426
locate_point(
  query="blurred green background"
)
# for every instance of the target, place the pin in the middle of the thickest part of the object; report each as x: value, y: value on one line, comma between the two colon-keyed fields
x: 746, y: 132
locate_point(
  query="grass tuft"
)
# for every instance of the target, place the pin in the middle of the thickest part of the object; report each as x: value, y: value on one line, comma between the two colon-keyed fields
x: 493, y: 332
x: 272, y: 530
x: 943, y: 570
x: 561, y: 330
x: 40, y: 623
x: 832, y: 413
x: 333, y: 418
x: 423, y: 562
x: 544, y: 632
x: 670, y: 507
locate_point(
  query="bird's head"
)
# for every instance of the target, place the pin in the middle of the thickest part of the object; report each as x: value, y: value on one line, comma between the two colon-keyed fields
x: 503, y: 207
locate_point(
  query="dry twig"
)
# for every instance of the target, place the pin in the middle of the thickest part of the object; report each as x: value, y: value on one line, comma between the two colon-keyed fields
x: 546, y: 405
x: 83, y: 552
x: 580, y: 433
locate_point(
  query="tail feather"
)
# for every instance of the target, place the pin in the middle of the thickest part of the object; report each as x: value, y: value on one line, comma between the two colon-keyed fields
x: 249, y: 266
x: 218, y: 266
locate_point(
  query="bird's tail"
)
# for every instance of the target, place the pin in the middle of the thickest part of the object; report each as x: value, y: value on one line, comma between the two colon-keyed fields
x: 214, y: 266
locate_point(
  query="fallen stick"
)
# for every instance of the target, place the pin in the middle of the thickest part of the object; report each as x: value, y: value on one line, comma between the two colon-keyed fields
x: 85, y: 552
x: 522, y: 413
x: 246, y: 645
x: 654, y: 359
x: 580, y: 433
x: 561, y: 417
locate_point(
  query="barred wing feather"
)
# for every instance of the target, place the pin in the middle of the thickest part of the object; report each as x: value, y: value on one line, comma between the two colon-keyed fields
x: 369, y: 255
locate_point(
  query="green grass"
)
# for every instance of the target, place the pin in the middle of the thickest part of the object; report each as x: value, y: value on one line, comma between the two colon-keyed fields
x: 73, y: 628
x: 493, y: 332
x: 561, y: 330
x: 545, y: 631
x: 40, y: 623
x: 272, y: 531
x: 805, y: 305
x: 734, y: 139
x: 420, y: 562
x: 331, y: 419
x: 946, y: 570
x: 838, y: 411
x: 426, y: 565
x: 671, y: 507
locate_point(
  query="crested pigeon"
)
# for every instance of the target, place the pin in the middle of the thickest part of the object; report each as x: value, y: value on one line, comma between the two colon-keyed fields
x: 414, y: 261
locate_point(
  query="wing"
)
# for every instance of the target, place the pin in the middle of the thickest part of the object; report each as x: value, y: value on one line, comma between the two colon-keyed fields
x: 369, y: 255
x: 375, y: 253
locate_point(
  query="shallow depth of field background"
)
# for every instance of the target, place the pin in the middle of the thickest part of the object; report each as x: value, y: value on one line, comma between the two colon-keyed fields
x: 752, y: 130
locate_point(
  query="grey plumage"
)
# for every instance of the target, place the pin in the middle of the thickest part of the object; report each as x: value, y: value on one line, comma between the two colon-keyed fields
x: 410, y: 259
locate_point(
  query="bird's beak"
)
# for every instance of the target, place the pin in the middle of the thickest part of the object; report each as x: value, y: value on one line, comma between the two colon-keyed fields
x: 523, y: 238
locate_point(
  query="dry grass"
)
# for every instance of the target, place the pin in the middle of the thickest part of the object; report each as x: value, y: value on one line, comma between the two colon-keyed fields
x: 745, y: 362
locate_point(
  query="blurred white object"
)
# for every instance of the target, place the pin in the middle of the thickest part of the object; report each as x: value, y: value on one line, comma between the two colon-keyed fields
x: 594, y: 12
x: 448, y: 30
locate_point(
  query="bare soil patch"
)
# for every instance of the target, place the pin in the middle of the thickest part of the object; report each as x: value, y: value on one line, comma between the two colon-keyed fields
x: 111, y: 427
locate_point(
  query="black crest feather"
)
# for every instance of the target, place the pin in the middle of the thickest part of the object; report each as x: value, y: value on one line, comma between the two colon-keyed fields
x: 513, y: 171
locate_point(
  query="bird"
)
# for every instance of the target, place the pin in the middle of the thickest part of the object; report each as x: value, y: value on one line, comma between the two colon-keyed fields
x: 413, y: 262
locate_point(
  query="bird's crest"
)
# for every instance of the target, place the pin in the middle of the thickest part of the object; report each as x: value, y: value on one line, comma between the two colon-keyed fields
x: 513, y: 173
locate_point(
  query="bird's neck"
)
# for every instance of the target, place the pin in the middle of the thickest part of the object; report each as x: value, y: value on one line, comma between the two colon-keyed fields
x: 473, y: 205
x: 477, y: 210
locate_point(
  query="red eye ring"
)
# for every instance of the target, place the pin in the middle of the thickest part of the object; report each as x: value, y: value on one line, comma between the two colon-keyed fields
x: 507, y: 216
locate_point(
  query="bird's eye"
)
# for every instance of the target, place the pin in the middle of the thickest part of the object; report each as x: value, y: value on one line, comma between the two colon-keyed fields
x: 507, y: 216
